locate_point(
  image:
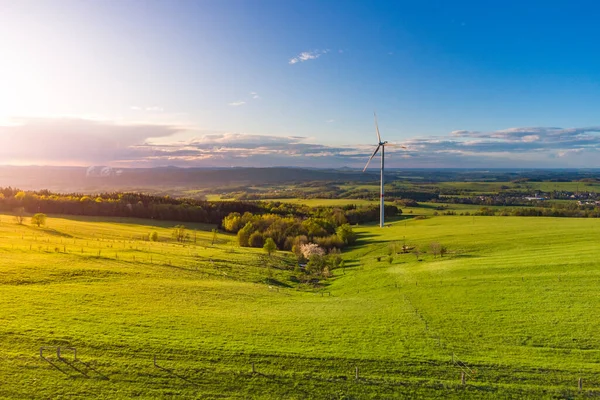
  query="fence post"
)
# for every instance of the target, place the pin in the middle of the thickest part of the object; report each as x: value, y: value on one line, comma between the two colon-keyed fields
x: 462, y: 378
x: 580, y: 384
x: 356, y: 373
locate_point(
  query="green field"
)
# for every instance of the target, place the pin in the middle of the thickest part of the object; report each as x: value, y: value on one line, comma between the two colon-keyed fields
x: 326, y: 202
x: 514, y: 302
x: 424, y: 208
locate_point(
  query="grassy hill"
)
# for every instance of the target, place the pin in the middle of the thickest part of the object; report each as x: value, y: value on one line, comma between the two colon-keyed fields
x: 514, y: 303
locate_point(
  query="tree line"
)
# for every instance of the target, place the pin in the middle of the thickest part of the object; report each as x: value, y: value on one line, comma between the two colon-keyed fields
x: 139, y: 205
x: 558, y: 210
x: 117, y: 204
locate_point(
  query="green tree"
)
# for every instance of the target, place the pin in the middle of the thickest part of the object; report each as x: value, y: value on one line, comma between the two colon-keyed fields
x: 270, y: 246
x: 179, y: 233
x: 346, y: 233
x: 153, y: 236
x: 316, y: 264
x: 334, y: 258
x: 244, y: 235
x: 436, y: 249
x: 233, y: 222
x: 338, y: 217
x: 443, y: 250
x: 313, y: 228
x: 38, y: 219
x: 256, y: 239
x: 20, y: 215
x: 214, y: 237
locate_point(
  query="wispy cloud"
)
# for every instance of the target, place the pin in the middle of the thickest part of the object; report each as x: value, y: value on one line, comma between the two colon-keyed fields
x: 522, y: 146
x: 249, y: 150
x: 237, y: 103
x: 254, y: 95
x: 330, y: 121
x: 540, y: 147
x: 69, y: 141
x: 307, y: 55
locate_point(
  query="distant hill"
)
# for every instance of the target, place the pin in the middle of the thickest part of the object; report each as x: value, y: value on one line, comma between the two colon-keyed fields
x: 80, y: 179
x: 173, y: 179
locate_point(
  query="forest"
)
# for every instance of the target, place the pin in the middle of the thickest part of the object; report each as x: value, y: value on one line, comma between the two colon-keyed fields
x: 138, y: 205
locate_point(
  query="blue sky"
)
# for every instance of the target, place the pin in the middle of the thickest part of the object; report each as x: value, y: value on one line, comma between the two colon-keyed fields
x: 264, y: 83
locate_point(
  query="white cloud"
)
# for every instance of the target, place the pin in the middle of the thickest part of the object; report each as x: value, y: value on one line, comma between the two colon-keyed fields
x: 307, y: 55
x: 254, y: 95
x: 72, y: 141
x: 531, y: 138
x: 237, y: 103
x: 566, y: 153
x: 69, y: 141
x: 330, y: 121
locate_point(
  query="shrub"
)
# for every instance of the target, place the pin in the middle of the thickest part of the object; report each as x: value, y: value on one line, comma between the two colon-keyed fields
x: 270, y: 246
x: 38, y: 219
x: 179, y: 233
x: 316, y: 264
x: 346, y: 234
x: 330, y: 242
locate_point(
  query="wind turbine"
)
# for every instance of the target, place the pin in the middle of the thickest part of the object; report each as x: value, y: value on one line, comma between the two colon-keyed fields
x: 381, y: 145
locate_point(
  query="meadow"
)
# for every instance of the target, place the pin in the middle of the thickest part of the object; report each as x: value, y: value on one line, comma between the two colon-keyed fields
x: 512, y: 305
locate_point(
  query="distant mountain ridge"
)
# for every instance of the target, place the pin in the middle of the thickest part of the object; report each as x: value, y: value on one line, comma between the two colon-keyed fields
x: 77, y: 179
x: 163, y: 179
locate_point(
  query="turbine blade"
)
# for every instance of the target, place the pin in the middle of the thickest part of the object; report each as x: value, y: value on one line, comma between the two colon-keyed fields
x: 377, y: 127
x: 376, y: 150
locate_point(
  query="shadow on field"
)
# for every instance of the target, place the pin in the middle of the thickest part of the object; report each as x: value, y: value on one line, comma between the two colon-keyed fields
x: 55, y: 366
x: 73, y: 366
x: 85, y: 369
x: 362, y: 238
x: 275, y: 282
x: 49, y: 231
x: 349, y: 264
x: 81, y: 368
x: 137, y: 221
x: 172, y: 373
x: 463, y: 256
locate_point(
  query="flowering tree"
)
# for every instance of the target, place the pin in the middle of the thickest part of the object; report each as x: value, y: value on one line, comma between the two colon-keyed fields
x: 310, y: 249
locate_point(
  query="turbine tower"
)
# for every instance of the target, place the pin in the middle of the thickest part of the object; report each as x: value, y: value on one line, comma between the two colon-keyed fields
x: 380, y: 145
